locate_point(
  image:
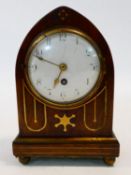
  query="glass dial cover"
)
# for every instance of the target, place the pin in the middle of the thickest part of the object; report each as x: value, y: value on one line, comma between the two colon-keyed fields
x: 63, y: 67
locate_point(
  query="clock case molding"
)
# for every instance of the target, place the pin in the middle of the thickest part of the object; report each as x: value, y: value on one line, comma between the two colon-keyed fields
x: 92, y: 135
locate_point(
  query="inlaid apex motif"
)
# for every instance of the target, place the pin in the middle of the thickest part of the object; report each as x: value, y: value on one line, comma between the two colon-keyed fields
x: 63, y: 14
x: 64, y: 121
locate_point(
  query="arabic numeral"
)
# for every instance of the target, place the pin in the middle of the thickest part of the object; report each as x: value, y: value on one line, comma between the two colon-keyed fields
x: 62, y: 36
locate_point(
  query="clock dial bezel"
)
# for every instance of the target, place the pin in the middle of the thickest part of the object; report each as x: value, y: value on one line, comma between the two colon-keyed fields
x: 80, y: 100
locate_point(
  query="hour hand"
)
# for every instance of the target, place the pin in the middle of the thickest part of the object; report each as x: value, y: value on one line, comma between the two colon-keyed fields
x: 62, y: 68
x: 56, y: 81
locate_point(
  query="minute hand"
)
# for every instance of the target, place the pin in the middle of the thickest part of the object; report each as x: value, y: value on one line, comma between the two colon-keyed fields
x: 50, y: 62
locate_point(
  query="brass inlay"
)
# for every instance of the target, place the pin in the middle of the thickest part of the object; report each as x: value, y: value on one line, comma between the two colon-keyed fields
x: 95, y: 111
x: 63, y: 14
x: 94, y: 120
x: 64, y: 121
x: 35, y: 115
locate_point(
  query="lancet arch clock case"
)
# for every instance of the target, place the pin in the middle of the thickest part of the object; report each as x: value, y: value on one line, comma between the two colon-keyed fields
x: 65, y: 82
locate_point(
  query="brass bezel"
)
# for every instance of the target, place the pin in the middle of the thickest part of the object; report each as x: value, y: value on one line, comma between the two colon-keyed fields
x: 77, y: 102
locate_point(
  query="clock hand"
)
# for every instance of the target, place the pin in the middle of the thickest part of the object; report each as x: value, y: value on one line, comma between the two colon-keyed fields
x: 50, y: 62
x: 62, y: 68
x: 56, y: 81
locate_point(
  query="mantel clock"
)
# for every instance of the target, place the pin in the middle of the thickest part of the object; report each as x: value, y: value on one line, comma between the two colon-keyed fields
x: 65, y: 82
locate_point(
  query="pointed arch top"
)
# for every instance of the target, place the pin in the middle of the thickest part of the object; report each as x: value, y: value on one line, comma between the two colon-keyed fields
x: 66, y: 17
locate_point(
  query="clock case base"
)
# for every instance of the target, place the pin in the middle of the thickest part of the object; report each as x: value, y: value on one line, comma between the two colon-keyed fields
x: 82, y: 147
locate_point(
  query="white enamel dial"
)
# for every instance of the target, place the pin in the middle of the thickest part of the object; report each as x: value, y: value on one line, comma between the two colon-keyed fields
x: 63, y: 67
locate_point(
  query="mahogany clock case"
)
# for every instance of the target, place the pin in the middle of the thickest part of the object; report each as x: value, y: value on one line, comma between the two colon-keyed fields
x: 87, y: 138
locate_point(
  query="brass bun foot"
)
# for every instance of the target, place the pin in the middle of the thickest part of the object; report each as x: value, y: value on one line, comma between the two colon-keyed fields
x: 24, y: 160
x: 109, y: 160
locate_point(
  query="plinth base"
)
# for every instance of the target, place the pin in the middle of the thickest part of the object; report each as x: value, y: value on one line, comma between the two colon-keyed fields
x: 82, y: 147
